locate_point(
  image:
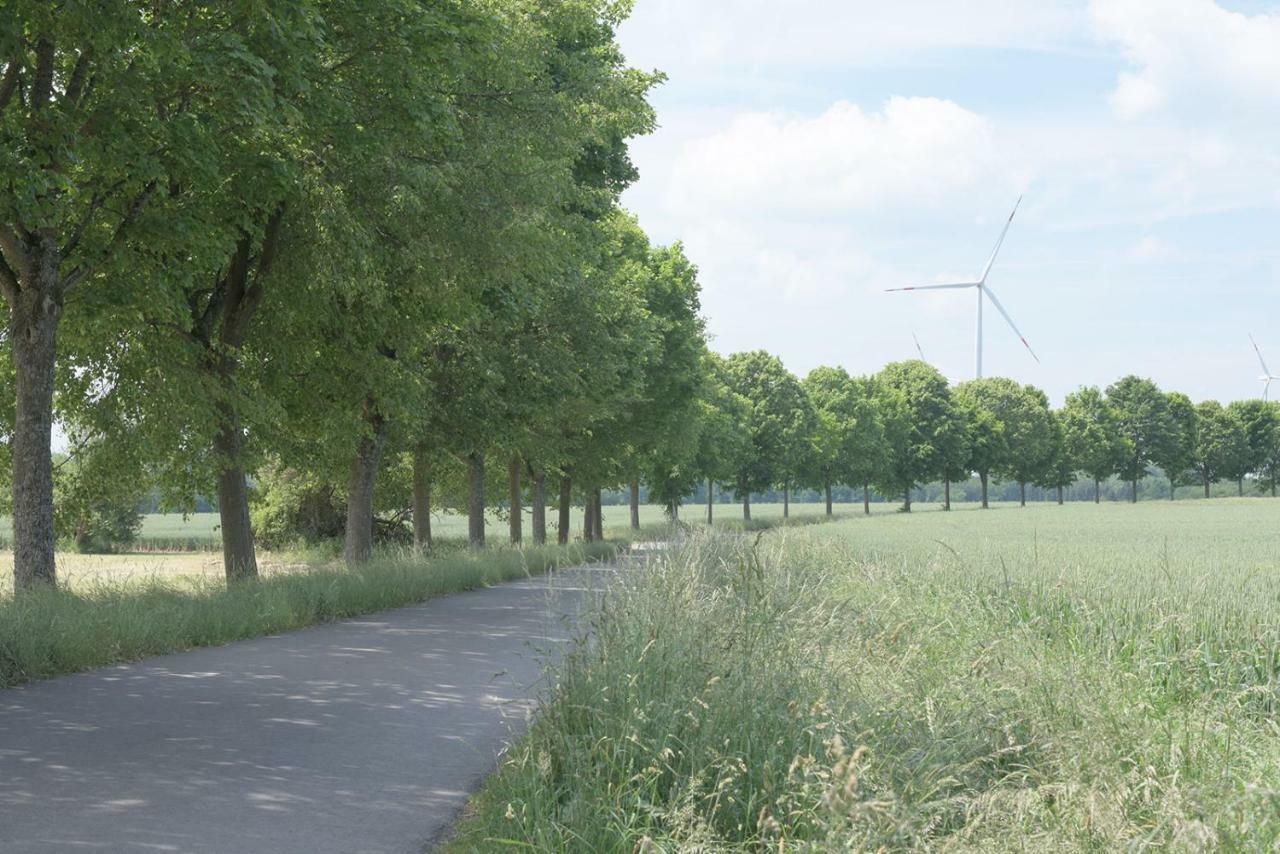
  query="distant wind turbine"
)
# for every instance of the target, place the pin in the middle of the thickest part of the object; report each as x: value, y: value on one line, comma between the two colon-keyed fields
x: 1267, y: 376
x: 983, y: 289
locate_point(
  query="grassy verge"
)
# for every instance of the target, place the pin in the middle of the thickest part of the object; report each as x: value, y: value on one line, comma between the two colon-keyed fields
x: 791, y: 693
x: 49, y: 633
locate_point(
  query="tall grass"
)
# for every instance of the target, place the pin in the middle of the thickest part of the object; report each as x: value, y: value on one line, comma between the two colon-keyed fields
x: 47, y: 633
x: 798, y: 692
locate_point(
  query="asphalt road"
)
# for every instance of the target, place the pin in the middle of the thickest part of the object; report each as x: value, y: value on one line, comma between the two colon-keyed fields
x: 361, y: 736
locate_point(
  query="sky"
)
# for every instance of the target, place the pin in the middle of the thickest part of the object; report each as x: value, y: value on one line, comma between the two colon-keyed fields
x: 813, y: 153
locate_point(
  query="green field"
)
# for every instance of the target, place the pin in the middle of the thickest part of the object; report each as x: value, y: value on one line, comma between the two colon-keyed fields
x: 1049, y: 679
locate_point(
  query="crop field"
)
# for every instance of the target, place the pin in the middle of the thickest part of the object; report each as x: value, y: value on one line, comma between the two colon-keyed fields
x: 1048, y: 679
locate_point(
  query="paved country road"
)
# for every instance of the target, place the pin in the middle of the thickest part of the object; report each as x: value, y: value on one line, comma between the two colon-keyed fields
x: 361, y: 736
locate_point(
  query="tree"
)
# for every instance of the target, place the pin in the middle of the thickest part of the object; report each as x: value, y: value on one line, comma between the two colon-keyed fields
x: 780, y: 418
x: 866, y: 449
x: 834, y: 400
x: 1143, y: 424
x: 1261, y: 422
x: 1178, y: 453
x: 1219, y: 443
x: 110, y: 124
x: 724, y: 436
x: 1091, y: 436
x: 1059, y: 471
x: 921, y: 425
x: 1029, y: 433
x: 1268, y: 444
x: 983, y: 404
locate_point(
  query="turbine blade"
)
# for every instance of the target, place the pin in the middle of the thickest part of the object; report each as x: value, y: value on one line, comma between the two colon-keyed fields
x: 1000, y: 242
x: 1009, y: 320
x: 1265, y: 369
x: 933, y: 287
x: 918, y: 348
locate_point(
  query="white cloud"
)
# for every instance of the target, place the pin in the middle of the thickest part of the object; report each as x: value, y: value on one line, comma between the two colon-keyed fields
x: 844, y: 33
x: 915, y: 151
x: 1189, y: 50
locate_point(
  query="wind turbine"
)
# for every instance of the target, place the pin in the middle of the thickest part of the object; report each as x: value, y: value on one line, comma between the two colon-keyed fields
x: 982, y: 290
x: 1267, y: 376
x: 919, y: 349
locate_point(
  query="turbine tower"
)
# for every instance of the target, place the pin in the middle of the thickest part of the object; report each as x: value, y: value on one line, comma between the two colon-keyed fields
x: 982, y: 289
x: 1267, y: 376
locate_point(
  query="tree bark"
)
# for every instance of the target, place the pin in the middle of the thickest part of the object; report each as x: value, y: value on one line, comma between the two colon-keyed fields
x: 982, y: 478
x: 34, y: 316
x: 906, y: 501
x: 1060, y: 500
x: 635, y: 505
x: 1206, y: 487
x: 515, y: 507
x: 239, y: 561
x: 1097, y: 491
x: 828, y: 491
x: 786, y: 500
x: 597, y: 518
x: 421, y: 501
x: 1022, y: 494
x: 675, y: 510
x: 588, y: 520
x: 946, y: 492
x: 566, y: 499
x: 1134, y: 499
x: 1240, y: 483
x: 866, y: 499
x: 711, y: 495
x: 746, y: 502
x: 539, y: 521
x: 475, y: 503
x: 364, y: 474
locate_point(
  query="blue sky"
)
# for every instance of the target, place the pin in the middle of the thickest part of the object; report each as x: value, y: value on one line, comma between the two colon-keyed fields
x: 815, y: 152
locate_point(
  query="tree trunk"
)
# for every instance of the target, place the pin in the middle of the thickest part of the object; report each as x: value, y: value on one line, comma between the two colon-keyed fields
x: 475, y: 502
x: 675, y: 511
x: 1022, y: 494
x: 364, y: 474
x: 539, y: 508
x: 239, y: 562
x: 1135, y: 491
x: 746, y: 503
x: 828, y: 497
x: 710, y: 501
x: 421, y: 501
x: 866, y: 499
x: 982, y: 478
x: 635, y: 505
x: 1060, y: 501
x: 32, y: 334
x: 566, y: 501
x: 588, y: 520
x: 786, y: 500
x: 1240, y: 483
x: 515, y: 503
x: 1097, y: 491
x: 946, y: 492
x: 906, y: 501
x: 597, y: 518
x: 1206, y: 487
x: 1172, y: 488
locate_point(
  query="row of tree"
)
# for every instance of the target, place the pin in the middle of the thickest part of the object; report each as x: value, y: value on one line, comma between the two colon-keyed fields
x: 342, y: 247
x: 762, y: 428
